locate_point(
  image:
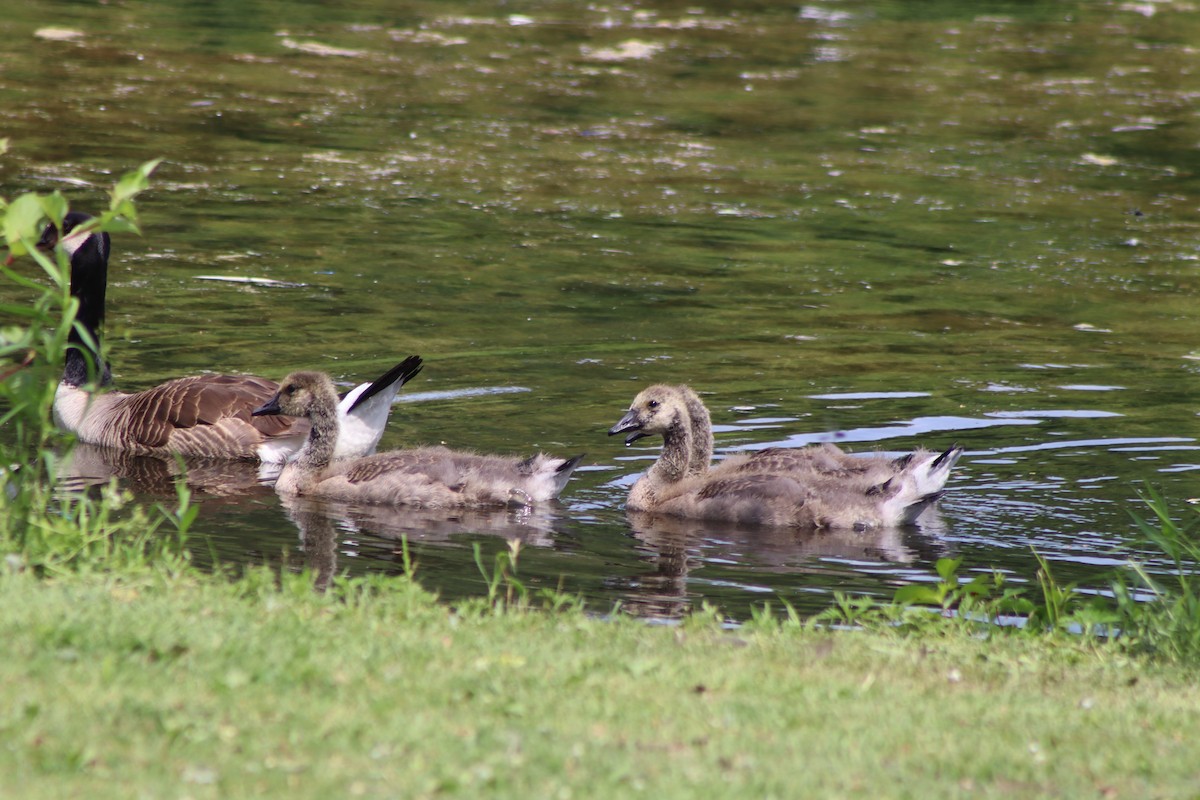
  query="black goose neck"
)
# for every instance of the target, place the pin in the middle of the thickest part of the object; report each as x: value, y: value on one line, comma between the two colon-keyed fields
x: 81, y: 367
x: 89, y: 282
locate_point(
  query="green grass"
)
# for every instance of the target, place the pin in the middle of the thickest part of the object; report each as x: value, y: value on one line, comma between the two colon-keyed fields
x: 195, y: 687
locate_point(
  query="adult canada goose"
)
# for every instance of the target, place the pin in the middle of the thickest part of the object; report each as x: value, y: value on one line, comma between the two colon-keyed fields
x: 812, y: 487
x: 428, y: 477
x: 205, y: 415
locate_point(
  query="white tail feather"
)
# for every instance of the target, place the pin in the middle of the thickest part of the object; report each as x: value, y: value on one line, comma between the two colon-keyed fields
x: 919, y: 485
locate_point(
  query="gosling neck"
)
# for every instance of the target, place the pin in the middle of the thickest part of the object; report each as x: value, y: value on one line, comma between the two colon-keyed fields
x: 673, y: 461
x: 317, y: 452
x: 670, y: 468
x: 700, y: 427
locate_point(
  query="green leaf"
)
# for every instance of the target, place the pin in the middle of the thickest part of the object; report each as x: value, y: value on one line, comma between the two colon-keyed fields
x: 21, y: 311
x: 918, y: 595
x: 21, y: 280
x: 22, y: 223
x: 947, y: 569
x: 1015, y: 604
x: 54, y: 206
x: 57, y: 268
x: 122, y: 225
x: 980, y: 585
x: 130, y: 185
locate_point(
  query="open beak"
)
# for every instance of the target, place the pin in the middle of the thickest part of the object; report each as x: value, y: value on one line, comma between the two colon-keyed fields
x: 631, y: 423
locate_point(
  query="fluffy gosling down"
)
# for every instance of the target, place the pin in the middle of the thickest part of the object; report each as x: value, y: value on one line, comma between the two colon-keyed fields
x: 810, y: 487
x: 427, y: 477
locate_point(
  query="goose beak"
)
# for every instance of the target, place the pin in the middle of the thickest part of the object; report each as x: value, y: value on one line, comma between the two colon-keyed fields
x: 45, y: 243
x: 630, y: 422
x: 268, y: 408
x: 48, y: 240
x: 41, y: 245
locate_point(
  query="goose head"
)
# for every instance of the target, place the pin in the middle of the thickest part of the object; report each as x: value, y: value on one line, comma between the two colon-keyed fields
x: 88, y: 252
x: 302, y: 394
x: 76, y: 236
x: 659, y: 409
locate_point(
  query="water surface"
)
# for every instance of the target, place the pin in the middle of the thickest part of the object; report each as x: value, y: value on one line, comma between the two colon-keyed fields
x: 873, y: 223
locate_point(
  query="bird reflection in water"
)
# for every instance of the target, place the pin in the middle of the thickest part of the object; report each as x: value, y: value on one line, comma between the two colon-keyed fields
x: 328, y: 529
x: 677, y: 547
x: 90, y: 465
x: 318, y: 541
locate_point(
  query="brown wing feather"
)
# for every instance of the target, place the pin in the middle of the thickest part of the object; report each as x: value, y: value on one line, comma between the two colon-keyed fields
x: 818, y: 460
x: 438, y: 463
x: 367, y: 469
x: 155, y: 415
x: 751, y: 498
x: 752, y: 485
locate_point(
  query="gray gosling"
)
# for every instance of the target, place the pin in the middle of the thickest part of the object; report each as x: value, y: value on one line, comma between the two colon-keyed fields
x: 813, y: 487
x: 426, y: 477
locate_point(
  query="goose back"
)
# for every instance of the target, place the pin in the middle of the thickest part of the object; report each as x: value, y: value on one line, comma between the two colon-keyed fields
x: 770, y: 499
x: 206, y: 416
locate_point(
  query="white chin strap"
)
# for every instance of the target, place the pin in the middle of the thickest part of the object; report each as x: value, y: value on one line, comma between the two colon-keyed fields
x: 74, y: 240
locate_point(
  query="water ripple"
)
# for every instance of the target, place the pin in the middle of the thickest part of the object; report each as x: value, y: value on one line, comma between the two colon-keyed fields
x: 455, y: 394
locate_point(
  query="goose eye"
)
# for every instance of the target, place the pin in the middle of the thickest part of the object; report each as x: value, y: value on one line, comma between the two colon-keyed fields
x: 290, y: 388
x: 653, y: 404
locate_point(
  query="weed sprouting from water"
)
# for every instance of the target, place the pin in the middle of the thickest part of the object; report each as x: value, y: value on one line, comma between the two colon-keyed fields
x: 503, y: 576
x: 506, y: 591
x: 1144, y: 612
x: 1160, y: 613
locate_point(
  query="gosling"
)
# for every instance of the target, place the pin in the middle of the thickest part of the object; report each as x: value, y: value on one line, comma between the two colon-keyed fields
x: 817, y: 487
x: 425, y: 477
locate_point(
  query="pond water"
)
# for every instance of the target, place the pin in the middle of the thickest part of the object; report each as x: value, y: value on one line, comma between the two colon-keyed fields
x: 874, y: 223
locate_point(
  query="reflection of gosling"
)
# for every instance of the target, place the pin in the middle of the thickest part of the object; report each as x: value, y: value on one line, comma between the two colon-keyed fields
x: 431, y: 477
x: 812, y: 487
x: 206, y: 415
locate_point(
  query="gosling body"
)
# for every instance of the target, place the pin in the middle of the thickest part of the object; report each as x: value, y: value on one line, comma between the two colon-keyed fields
x: 426, y: 477
x: 813, y: 487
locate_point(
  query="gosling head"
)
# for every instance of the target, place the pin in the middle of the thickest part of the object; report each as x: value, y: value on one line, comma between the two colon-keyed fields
x: 657, y: 409
x: 299, y: 394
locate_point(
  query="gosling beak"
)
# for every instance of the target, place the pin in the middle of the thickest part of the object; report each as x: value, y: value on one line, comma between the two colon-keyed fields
x: 268, y: 408
x: 630, y: 422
